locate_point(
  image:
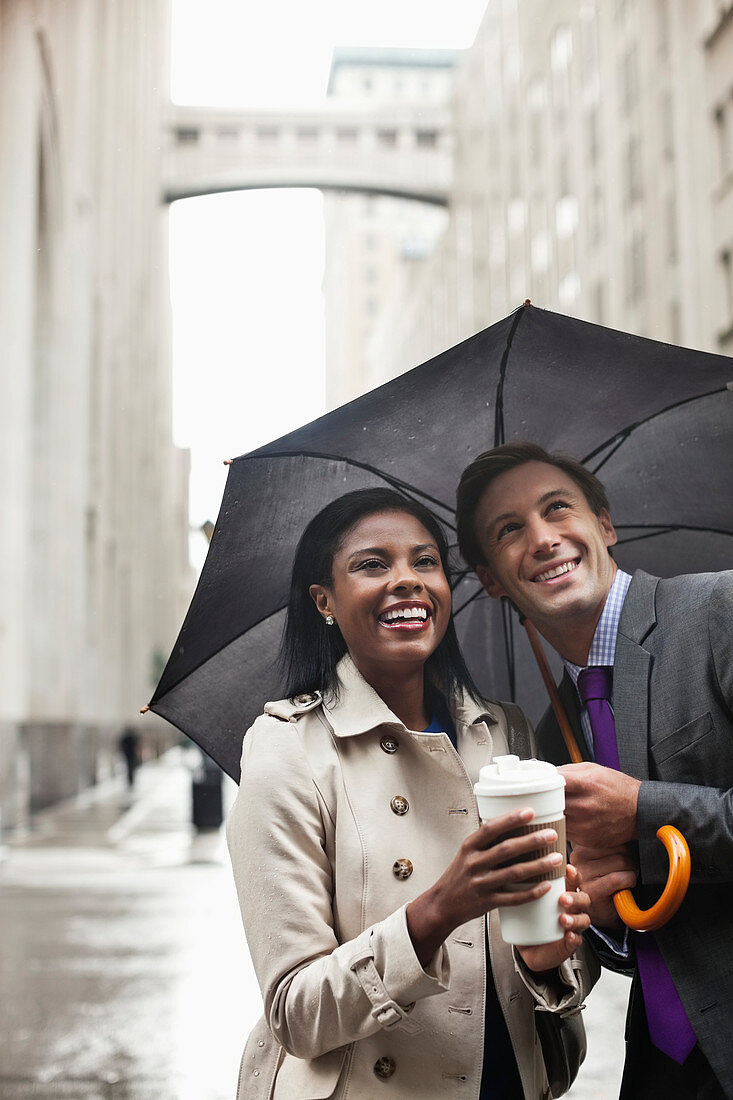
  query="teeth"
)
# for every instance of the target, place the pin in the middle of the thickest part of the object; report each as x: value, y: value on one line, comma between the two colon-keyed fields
x: 566, y: 567
x: 405, y: 613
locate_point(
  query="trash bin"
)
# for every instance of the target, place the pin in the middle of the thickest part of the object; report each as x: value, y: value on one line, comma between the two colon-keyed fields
x: 206, y: 795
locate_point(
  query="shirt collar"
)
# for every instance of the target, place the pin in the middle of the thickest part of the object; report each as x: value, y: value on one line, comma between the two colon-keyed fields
x: 359, y: 709
x: 603, y: 646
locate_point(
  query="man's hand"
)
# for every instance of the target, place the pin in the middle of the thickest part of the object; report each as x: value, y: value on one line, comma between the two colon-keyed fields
x: 600, y: 805
x: 604, y: 871
x: 573, y: 922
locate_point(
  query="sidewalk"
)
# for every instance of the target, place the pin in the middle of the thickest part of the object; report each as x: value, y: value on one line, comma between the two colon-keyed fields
x: 124, y: 973
x: 123, y: 966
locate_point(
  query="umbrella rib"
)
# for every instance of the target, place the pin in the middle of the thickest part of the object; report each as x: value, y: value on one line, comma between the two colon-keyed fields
x: 397, y: 483
x: 508, y: 632
x: 499, y: 410
x: 476, y: 596
x: 656, y: 529
x: 623, y: 435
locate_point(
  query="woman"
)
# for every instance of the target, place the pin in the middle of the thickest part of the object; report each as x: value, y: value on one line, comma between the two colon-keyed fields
x: 363, y: 874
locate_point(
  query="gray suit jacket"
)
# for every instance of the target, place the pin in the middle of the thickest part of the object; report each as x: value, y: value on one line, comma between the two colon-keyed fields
x: 673, y: 705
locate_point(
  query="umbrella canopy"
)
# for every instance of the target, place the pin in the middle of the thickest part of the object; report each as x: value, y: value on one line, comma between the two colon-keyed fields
x: 653, y: 420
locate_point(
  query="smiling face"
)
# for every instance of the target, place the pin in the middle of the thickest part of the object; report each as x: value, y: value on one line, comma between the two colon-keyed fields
x: 547, y: 551
x: 388, y: 594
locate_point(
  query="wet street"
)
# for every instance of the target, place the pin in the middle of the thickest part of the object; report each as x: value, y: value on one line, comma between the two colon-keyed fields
x: 124, y: 973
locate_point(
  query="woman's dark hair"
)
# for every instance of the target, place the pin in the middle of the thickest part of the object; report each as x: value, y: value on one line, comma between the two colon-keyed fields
x: 311, y: 650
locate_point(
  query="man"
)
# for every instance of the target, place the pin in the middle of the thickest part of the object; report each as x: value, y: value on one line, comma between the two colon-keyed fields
x: 536, y: 528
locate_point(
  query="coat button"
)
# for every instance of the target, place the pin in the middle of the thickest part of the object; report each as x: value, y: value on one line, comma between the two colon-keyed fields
x: 389, y: 744
x: 399, y: 805
x: 384, y: 1068
x: 402, y: 868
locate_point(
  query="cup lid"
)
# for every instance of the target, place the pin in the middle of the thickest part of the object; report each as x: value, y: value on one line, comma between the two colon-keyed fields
x: 510, y: 775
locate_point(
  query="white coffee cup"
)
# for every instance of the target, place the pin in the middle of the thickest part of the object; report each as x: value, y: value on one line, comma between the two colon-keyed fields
x: 512, y: 784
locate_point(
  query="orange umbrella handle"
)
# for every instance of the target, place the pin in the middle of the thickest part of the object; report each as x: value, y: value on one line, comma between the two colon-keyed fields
x: 641, y: 920
x: 646, y: 920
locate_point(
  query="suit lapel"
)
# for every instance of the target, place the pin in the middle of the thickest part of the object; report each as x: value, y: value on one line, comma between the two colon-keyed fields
x: 631, y: 674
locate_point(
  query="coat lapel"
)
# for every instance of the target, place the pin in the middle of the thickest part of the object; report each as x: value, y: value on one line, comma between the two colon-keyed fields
x: 631, y: 674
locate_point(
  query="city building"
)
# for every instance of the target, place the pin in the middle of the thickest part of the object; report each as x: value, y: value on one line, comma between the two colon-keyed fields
x: 94, y: 572
x: 371, y: 237
x: 593, y: 174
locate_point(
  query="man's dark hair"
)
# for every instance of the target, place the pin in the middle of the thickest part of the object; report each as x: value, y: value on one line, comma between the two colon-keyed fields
x: 490, y: 465
x: 311, y: 650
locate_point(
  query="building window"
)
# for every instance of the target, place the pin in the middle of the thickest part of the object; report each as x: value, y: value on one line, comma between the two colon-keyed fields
x: 598, y: 303
x: 387, y: 137
x: 671, y: 220
x: 595, y: 216
x: 588, y: 43
x: 347, y: 135
x: 667, y: 126
x: 227, y: 133
x: 635, y: 268
x: 516, y: 215
x: 663, y: 27
x: 427, y: 138
x: 569, y: 290
x: 561, y: 49
x: 563, y: 173
x: 633, y: 170
x: 536, y: 101
x: 187, y: 135
x: 306, y: 134
x: 675, y: 325
x: 629, y: 81
x: 268, y: 135
x: 541, y: 251
x: 726, y: 268
x: 723, y: 137
x: 566, y: 216
x: 592, y: 138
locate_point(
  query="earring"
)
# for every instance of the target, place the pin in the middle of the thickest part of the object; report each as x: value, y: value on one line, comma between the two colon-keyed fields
x: 330, y: 620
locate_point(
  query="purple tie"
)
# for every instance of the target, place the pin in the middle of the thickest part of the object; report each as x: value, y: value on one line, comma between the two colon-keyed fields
x: 669, y: 1027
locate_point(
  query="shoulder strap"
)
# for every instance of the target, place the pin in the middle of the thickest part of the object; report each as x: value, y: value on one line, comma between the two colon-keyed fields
x: 518, y: 733
x: 290, y: 710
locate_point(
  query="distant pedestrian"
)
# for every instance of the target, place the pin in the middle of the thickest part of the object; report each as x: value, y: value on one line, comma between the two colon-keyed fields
x: 129, y: 746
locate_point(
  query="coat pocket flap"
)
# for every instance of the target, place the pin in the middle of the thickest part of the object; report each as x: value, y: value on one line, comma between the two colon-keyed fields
x: 682, y: 738
x: 309, y: 1078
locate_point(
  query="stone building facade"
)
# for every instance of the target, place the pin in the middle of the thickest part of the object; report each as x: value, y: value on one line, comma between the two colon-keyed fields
x: 94, y: 572
x: 370, y: 238
x: 593, y: 174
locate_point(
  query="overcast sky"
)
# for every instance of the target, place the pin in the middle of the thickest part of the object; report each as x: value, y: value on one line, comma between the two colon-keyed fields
x: 246, y: 269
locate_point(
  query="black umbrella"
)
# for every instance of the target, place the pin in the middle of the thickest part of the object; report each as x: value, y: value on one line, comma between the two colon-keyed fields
x: 655, y: 421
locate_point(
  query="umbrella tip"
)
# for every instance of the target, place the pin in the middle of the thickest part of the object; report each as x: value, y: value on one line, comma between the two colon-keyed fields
x: 528, y: 301
x: 144, y: 710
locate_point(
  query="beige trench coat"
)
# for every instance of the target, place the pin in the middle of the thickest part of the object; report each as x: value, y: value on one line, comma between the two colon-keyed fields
x: 342, y: 817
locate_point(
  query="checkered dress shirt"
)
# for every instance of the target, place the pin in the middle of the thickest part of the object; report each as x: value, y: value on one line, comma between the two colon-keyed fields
x: 603, y: 646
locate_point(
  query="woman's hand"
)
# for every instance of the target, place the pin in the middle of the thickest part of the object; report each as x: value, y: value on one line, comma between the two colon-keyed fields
x: 574, y: 921
x: 478, y: 879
